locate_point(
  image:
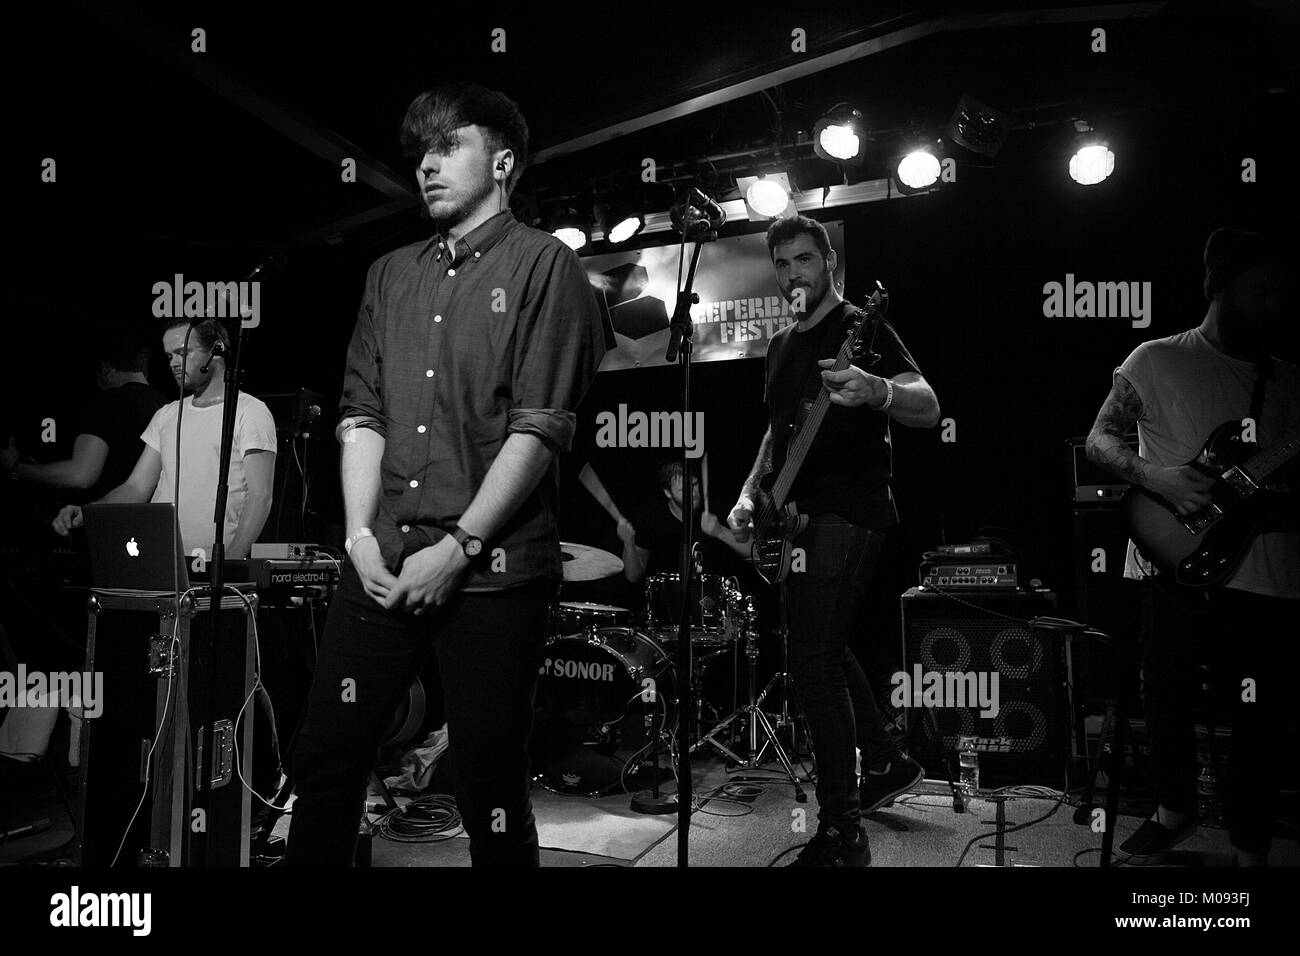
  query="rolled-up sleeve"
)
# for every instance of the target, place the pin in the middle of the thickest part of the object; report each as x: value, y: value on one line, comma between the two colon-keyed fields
x: 558, y: 348
x: 362, y: 403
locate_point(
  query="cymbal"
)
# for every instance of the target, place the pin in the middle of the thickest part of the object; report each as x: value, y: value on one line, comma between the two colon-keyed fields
x: 581, y: 562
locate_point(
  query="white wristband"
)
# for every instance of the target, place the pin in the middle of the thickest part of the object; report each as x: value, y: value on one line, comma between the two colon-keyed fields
x: 889, y: 395
x: 355, y: 537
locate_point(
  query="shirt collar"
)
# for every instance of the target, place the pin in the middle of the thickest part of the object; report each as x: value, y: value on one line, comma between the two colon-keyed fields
x: 479, y: 241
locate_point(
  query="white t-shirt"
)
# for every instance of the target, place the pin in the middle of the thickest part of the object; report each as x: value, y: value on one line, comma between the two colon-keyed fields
x: 1188, y: 388
x: 200, y: 456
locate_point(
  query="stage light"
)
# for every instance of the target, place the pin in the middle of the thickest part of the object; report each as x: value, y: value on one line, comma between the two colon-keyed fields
x: 621, y: 219
x: 918, y: 169
x: 1093, y: 160
x: 626, y: 228
x: 841, y: 135
x: 978, y: 127
x: 768, y: 197
x: 570, y: 229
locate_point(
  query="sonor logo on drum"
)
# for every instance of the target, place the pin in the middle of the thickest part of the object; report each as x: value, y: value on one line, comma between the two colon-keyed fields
x: 584, y: 670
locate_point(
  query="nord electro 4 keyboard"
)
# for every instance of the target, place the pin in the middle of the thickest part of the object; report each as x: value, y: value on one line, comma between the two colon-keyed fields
x: 267, y: 573
x: 287, y: 573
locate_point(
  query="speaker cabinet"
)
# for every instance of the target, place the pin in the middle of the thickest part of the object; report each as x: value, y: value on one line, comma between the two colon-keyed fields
x: 987, y: 633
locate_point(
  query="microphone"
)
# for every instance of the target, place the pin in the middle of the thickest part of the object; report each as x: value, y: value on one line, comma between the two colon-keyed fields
x: 267, y: 266
x: 217, y: 349
x: 710, y: 208
x: 698, y: 215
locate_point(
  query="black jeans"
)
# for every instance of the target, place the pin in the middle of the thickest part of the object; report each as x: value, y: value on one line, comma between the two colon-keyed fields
x: 822, y: 604
x: 1239, y: 635
x: 490, y: 647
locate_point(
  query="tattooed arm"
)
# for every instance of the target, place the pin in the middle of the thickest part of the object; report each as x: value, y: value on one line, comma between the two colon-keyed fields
x: 762, y: 465
x: 741, y: 519
x: 1184, y: 487
x: 1106, y: 445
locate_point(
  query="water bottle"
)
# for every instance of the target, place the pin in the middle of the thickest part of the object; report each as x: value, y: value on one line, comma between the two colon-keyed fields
x: 968, y: 759
x: 1209, y: 807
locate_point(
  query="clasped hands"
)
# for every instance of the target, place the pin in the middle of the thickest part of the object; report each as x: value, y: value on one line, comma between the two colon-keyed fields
x: 429, y: 578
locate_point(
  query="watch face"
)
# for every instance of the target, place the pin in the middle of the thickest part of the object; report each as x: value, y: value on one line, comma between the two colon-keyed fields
x: 472, y: 547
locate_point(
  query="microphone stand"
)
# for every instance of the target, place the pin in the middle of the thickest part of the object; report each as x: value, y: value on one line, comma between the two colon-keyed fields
x: 682, y: 336
x: 210, y: 645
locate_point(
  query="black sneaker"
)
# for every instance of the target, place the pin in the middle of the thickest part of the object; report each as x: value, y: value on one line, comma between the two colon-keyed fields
x: 834, y: 846
x: 1153, y: 839
x: 879, y: 790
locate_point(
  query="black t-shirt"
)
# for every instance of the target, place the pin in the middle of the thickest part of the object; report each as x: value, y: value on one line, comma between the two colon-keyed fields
x: 848, y: 466
x: 119, y: 416
x: 659, y: 531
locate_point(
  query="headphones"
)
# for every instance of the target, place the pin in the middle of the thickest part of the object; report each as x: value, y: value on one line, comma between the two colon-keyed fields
x: 501, y: 164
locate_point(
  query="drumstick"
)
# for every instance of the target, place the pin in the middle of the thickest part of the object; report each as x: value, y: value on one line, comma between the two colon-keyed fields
x: 704, y: 472
x: 591, y: 481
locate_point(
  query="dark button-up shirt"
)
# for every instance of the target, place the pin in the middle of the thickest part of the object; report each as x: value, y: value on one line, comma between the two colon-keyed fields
x: 454, y: 350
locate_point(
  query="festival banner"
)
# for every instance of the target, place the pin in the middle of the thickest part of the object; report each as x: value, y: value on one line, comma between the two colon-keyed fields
x: 739, y: 311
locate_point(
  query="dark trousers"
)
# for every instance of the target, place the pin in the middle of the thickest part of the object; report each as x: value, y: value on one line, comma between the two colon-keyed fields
x: 822, y: 604
x: 490, y: 648
x: 1239, y: 636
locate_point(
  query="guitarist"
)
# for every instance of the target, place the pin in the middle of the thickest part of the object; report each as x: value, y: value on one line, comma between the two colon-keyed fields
x: 844, y: 486
x: 1177, y: 390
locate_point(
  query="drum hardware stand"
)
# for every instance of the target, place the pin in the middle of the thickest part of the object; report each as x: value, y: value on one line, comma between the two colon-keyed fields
x: 652, y: 801
x: 758, y: 719
x: 697, y: 701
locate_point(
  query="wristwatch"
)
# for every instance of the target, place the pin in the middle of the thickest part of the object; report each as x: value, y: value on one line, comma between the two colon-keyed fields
x: 469, y: 544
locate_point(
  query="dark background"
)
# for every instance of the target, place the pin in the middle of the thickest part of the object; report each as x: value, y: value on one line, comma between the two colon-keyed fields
x: 159, y: 174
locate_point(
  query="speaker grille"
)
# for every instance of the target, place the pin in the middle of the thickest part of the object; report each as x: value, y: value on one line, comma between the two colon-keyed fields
x: 1027, y: 741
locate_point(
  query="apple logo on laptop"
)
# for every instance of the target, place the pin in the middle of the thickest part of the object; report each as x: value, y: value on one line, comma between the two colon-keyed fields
x: 132, y: 548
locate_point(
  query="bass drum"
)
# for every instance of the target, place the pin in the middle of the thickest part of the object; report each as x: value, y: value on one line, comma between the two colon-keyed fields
x: 602, y: 697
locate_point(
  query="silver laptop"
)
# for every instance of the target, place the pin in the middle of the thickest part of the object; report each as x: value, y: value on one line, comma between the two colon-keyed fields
x: 135, y: 547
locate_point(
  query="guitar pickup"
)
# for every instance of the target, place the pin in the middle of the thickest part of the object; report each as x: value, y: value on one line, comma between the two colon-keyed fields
x: 1202, y: 519
x: 1240, y: 482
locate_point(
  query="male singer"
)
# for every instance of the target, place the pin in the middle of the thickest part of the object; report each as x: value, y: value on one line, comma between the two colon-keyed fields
x: 470, y: 354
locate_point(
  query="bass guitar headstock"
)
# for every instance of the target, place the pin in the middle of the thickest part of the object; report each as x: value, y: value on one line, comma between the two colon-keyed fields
x: 857, y: 342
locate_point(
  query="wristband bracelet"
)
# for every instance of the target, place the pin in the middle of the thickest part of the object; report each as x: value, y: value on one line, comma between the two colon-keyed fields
x: 889, y: 395
x: 355, y: 537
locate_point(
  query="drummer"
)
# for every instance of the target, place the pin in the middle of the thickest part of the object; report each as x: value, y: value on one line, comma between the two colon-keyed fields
x: 652, y: 543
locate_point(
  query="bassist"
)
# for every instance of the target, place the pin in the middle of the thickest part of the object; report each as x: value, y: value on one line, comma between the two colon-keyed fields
x: 843, y: 485
x: 1177, y: 390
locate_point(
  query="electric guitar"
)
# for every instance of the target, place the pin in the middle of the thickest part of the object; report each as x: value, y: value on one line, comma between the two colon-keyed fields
x: 777, y: 521
x: 1205, y: 548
